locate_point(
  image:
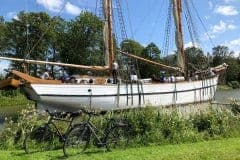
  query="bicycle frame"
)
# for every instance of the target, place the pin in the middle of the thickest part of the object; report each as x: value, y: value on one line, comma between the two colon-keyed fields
x: 58, y: 132
x: 94, y: 130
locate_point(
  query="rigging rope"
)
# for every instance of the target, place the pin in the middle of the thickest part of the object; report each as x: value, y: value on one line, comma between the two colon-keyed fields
x: 204, y: 27
x: 167, y: 29
x: 121, y: 20
x: 191, y: 24
x: 129, y: 20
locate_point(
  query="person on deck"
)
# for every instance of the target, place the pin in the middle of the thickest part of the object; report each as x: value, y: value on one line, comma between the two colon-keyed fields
x: 114, y: 71
x: 65, y: 77
x: 45, y: 75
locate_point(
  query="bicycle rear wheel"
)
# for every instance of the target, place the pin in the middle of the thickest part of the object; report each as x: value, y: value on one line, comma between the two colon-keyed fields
x: 39, y: 139
x: 77, y: 140
x: 117, y: 137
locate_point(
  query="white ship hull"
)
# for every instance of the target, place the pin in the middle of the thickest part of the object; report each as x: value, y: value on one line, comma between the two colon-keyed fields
x: 69, y: 97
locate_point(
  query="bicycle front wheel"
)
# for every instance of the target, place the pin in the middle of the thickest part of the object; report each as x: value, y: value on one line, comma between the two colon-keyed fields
x: 77, y: 140
x: 117, y: 137
x: 39, y: 139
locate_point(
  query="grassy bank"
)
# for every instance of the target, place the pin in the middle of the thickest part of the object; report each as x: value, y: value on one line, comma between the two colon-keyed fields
x: 12, y: 102
x: 224, y: 87
x: 13, y: 98
x: 225, y: 149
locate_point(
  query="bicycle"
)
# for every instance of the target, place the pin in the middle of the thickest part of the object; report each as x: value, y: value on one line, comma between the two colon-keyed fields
x: 115, y: 134
x: 41, y: 138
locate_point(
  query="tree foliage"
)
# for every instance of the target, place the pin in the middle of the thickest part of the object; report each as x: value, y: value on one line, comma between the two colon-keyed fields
x: 131, y: 47
x: 3, y: 36
x: 29, y: 37
x: 195, y: 59
x: 83, y: 41
x: 221, y: 54
x: 151, y: 52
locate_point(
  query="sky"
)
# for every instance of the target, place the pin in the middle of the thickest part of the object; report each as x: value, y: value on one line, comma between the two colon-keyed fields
x: 145, y: 19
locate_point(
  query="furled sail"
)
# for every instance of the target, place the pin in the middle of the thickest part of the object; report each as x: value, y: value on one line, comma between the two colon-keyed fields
x: 107, y: 32
x: 177, y: 10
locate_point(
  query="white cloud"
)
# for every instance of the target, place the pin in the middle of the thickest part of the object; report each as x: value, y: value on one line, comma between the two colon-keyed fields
x: 207, y: 36
x: 218, y: 29
x: 52, y: 5
x: 72, y: 9
x: 190, y: 44
x: 235, y: 42
x: 226, y: 10
x: 222, y: 27
x: 12, y: 15
x: 234, y: 45
x: 58, y: 5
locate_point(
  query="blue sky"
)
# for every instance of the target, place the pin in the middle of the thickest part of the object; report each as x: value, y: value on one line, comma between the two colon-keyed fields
x: 145, y: 19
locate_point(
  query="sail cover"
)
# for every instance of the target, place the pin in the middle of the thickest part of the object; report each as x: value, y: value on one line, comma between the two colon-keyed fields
x: 177, y: 9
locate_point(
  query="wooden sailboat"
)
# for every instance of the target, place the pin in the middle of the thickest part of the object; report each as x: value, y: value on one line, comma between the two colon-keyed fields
x: 101, y: 94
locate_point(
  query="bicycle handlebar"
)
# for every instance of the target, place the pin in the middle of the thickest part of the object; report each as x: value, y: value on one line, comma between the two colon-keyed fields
x: 64, y: 114
x: 92, y: 113
x: 74, y: 114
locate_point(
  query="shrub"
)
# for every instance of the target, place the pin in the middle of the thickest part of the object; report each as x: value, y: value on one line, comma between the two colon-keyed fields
x: 147, y: 126
x: 235, y: 84
x: 235, y: 106
x: 14, y: 131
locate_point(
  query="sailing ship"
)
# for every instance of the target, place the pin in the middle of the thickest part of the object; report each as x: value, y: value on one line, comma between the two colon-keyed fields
x: 101, y: 94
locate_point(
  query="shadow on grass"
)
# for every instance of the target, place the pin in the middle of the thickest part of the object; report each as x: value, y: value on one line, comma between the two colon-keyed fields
x: 59, y: 155
x: 18, y: 154
x: 86, y: 153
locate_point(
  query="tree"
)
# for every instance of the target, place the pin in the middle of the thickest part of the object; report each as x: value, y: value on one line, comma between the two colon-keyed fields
x: 28, y: 37
x: 131, y: 47
x: 195, y: 59
x: 170, y: 60
x: 152, y: 53
x: 233, y: 70
x: 83, y: 42
x: 56, y: 42
x: 3, y: 36
x: 221, y: 54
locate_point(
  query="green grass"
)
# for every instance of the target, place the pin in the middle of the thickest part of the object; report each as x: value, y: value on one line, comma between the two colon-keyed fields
x: 224, y: 87
x: 18, y: 100
x: 11, y: 105
x: 225, y: 149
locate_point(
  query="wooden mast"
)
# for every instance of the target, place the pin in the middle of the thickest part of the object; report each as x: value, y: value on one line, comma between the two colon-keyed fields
x: 177, y: 12
x: 99, y: 68
x: 176, y: 69
x: 108, y: 35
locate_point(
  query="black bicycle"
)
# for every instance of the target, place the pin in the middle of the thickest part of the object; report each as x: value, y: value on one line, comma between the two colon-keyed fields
x: 48, y: 136
x: 115, y: 133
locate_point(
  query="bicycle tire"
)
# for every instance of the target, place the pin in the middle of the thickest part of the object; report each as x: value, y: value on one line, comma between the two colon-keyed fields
x: 117, y: 137
x: 38, y: 140
x: 76, y: 140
